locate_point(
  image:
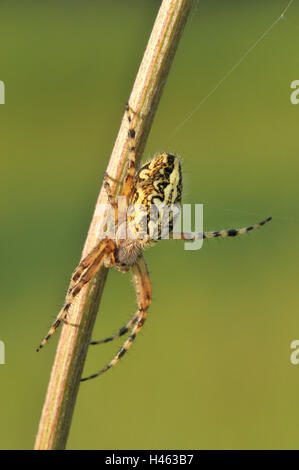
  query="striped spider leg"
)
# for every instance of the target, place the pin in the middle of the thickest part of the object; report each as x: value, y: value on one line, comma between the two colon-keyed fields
x: 88, y: 267
x: 143, y: 290
x: 232, y: 232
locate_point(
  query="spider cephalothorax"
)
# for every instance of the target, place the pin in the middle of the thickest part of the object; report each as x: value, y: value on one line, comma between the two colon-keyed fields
x: 156, y: 185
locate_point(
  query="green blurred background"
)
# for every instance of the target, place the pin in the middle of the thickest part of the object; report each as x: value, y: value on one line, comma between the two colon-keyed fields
x: 211, y: 368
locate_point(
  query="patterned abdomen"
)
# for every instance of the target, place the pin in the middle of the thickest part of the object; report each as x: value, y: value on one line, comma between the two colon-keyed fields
x: 157, y: 187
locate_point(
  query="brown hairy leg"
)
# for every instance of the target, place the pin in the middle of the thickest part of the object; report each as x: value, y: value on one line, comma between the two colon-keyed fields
x: 88, y: 267
x: 143, y: 292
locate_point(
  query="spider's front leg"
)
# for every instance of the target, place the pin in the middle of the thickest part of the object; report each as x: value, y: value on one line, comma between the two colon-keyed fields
x: 143, y: 292
x: 129, y: 178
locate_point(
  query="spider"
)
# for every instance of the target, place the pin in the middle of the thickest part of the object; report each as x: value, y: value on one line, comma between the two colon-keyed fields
x: 158, y: 181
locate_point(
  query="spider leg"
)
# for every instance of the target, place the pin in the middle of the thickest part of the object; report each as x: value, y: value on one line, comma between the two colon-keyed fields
x: 86, y: 262
x: 109, y: 190
x: 125, y: 329
x: 127, y: 186
x: 224, y: 233
x: 142, y: 282
x: 143, y: 291
x: 88, y: 267
x: 108, y: 177
x: 123, y: 349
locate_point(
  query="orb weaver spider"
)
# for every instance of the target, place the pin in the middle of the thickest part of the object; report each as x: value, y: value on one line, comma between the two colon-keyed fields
x: 159, y: 180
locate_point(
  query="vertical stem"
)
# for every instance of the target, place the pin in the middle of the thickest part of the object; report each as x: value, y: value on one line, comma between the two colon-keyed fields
x: 73, y: 343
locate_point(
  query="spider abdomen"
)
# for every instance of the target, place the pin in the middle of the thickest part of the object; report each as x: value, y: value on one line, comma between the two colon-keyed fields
x: 160, y: 178
x: 157, y: 187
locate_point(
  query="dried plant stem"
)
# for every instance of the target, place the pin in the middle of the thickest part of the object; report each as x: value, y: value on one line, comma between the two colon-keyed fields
x: 73, y: 343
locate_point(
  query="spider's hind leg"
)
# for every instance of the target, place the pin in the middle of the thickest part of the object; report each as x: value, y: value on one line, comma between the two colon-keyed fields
x: 143, y: 291
x: 141, y: 319
x: 125, y: 329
